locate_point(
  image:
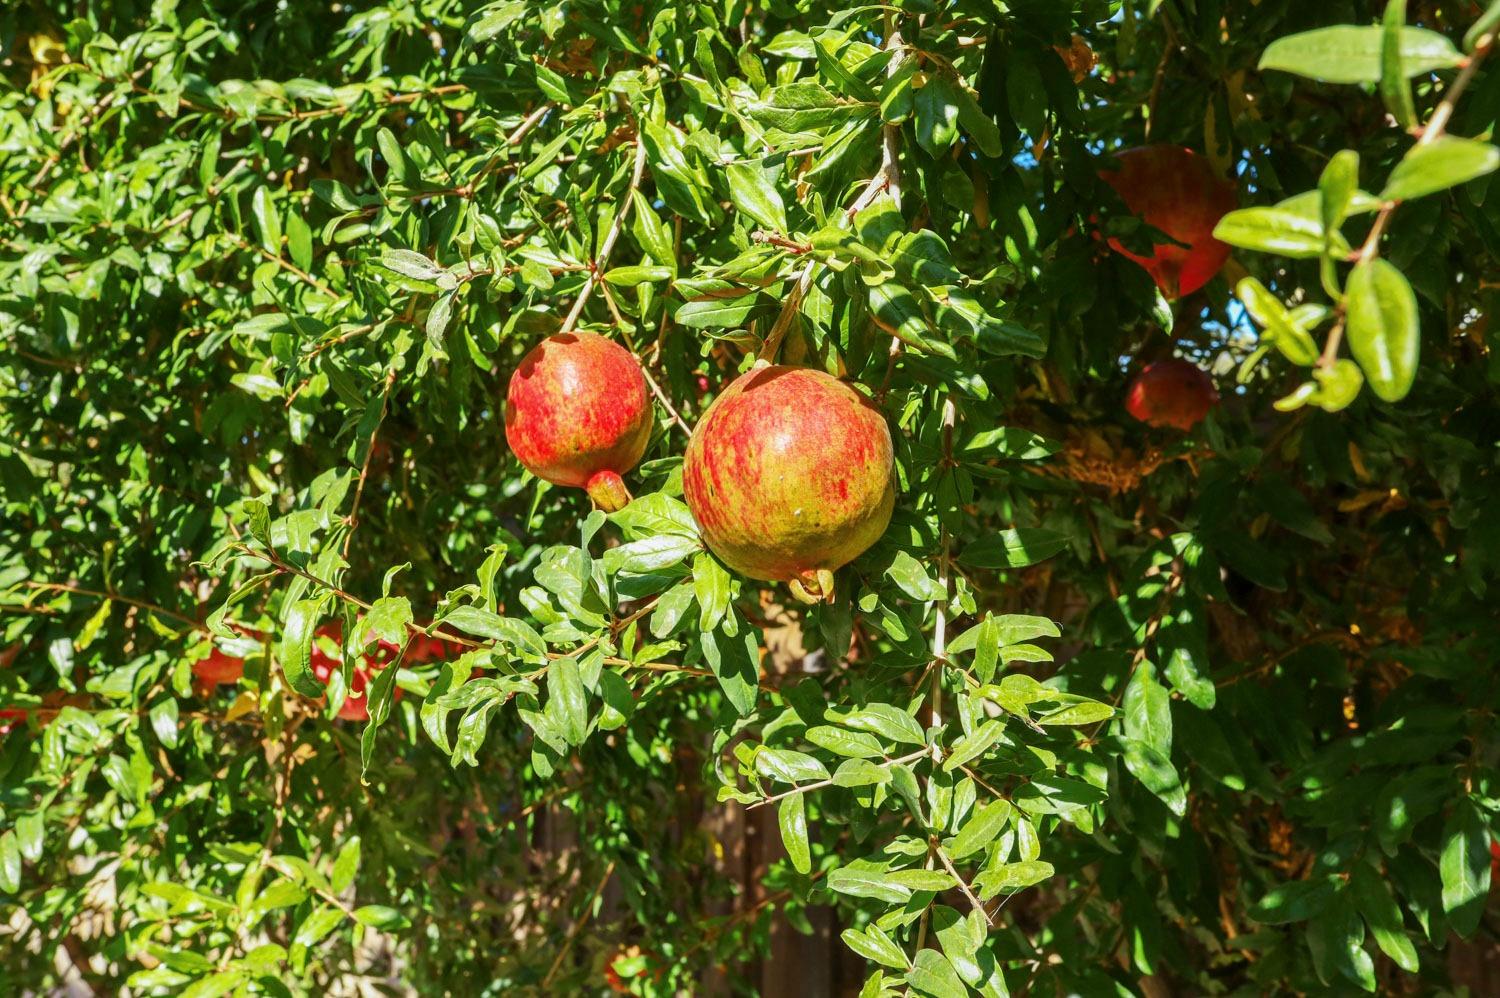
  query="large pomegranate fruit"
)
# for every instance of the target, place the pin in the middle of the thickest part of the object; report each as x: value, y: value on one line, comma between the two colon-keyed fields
x: 1171, y: 393
x: 578, y: 413
x: 790, y: 476
x: 1175, y: 190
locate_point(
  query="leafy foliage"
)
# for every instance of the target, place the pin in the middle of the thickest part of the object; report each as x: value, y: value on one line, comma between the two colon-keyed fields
x: 1105, y: 703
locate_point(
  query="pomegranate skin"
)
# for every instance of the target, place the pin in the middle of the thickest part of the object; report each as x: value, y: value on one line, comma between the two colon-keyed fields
x: 1172, y: 393
x: 218, y: 667
x: 578, y: 413
x: 790, y: 475
x: 1175, y: 190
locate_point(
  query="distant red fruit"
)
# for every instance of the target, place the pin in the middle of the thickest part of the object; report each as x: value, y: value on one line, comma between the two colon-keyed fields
x: 10, y: 717
x: 356, y: 706
x: 790, y: 476
x: 1171, y: 393
x: 218, y: 667
x: 636, y: 965
x: 1176, y: 191
x: 578, y: 413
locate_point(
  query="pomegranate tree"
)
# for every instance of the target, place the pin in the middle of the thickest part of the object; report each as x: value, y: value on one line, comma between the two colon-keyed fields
x: 790, y: 476
x: 1173, y: 393
x: 578, y: 413
x: 1176, y: 191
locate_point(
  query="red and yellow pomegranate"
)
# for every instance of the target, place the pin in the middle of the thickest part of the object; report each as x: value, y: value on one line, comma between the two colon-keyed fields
x: 1172, y: 393
x: 790, y: 476
x: 578, y: 413
x: 1176, y: 191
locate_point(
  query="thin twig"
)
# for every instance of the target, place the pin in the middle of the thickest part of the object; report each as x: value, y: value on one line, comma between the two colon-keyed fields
x: 364, y: 469
x: 605, y: 248
x: 116, y: 597
x: 583, y: 919
x: 948, y: 865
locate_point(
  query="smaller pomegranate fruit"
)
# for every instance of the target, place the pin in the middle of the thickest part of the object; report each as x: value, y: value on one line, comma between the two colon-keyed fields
x: 1176, y: 191
x: 10, y: 717
x: 356, y: 706
x: 637, y: 967
x: 578, y: 413
x: 790, y: 476
x: 217, y: 668
x: 1171, y: 393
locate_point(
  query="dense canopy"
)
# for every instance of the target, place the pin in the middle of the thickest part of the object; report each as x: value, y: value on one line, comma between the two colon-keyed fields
x: 1156, y: 683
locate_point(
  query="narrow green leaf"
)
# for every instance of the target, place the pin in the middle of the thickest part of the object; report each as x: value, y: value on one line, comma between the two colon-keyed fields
x: 1439, y: 165
x: 1382, y: 327
x: 791, y: 816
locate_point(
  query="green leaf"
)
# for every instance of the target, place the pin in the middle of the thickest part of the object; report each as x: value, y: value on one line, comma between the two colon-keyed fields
x: 1156, y: 773
x: 980, y: 830
x: 1010, y: 877
x: 860, y: 773
x: 1296, y: 901
x: 712, y: 586
x: 379, y: 916
x: 805, y: 107
x: 873, y: 943
x: 862, y: 882
x: 1336, y: 938
x: 753, y: 192
x: 1438, y: 165
x: 792, y: 819
x: 629, y: 277
x: 570, y: 699
x: 885, y: 720
x: 1083, y: 712
x: 1014, y: 548
x: 1148, y: 710
x: 913, y: 579
x: 1277, y: 230
x: 932, y: 975
x: 973, y: 745
x: 295, y: 651
x: 345, y: 865
x: 1382, y: 327
x: 1349, y: 53
x: 315, y: 926
x: 1372, y: 896
x: 10, y: 863
x: 1336, y: 188
x: 482, y: 623
x: 735, y: 661
x: 267, y: 220
x: 853, y: 744
x: 789, y: 766
x: 1465, y: 867
x: 1394, y: 89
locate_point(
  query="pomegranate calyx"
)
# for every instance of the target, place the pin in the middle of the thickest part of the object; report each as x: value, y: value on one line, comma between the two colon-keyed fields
x: 608, y: 491
x: 812, y: 586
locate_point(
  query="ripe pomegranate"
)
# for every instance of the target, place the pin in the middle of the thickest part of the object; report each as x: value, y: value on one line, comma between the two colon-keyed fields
x: 578, y: 413
x: 217, y: 668
x: 1171, y: 393
x: 790, y: 476
x: 1175, y: 190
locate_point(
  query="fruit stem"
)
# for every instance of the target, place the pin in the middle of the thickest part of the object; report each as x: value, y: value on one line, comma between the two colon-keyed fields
x: 608, y: 491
